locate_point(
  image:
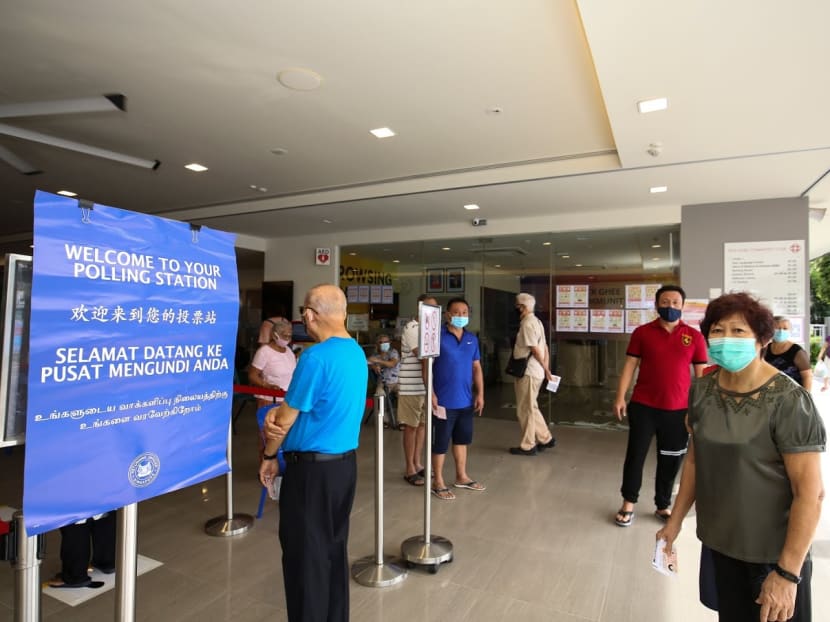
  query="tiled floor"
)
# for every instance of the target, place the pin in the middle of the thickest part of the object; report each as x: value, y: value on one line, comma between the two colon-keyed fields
x: 539, y: 544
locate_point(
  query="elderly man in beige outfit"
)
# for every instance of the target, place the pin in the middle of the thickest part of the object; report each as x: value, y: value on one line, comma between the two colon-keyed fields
x: 530, y: 341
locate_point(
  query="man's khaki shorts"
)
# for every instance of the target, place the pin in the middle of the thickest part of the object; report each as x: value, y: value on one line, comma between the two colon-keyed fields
x: 411, y: 410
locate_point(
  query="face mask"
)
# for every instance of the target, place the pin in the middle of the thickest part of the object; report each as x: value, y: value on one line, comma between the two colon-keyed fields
x: 459, y: 321
x: 732, y: 353
x: 384, y: 347
x: 669, y: 314
x: 283, y: 343
x: 781, y: 335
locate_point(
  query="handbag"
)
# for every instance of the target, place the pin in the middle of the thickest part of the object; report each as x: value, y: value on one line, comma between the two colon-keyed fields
x: 517, y: 367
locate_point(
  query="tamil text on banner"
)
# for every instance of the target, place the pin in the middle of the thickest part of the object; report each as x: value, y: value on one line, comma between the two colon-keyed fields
x: 132, y: 336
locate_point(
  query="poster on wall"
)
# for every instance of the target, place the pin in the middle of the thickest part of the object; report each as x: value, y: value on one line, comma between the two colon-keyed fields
x: 641, y: 295
x: 637, y: 317
x: 572, y: 296
x: 607, y: 320
x: 773, y: 271
x: 351, y: 294
x: 375, y: 294
x: 133, y: 333
x: 693, y: 311
x: 572, y: 320
x: 388, y: 295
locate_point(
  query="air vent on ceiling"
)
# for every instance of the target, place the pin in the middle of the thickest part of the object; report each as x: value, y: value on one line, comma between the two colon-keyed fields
x: 500, y: 251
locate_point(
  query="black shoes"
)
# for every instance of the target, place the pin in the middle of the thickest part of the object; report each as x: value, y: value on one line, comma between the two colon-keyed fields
x: 549, y: 445
x: 518, y: 451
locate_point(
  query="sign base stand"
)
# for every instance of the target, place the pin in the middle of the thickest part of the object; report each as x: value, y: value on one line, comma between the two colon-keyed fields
x: 225, y: 527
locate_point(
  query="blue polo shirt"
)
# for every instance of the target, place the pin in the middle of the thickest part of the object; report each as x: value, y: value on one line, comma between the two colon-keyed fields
x: 329, y: 389
x: 452, y: 371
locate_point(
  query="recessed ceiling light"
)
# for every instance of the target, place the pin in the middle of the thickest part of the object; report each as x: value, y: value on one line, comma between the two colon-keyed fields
x: 497, y: 265
x: 652, y: 105
x: 546, y: 243
x: 352, y: 254
x: 579, y: 265
x: 446, y: 248
x: 67, y: 193
x: 279, y: 151
x: 195, y: 167
x: 656, y: 246
x: 656, y: 189
x: 565, y: 256
x: 655, y: 259
x: 327, y: 221
x: 382, y: 132
x: 471, y: 206
x: 396, y: 261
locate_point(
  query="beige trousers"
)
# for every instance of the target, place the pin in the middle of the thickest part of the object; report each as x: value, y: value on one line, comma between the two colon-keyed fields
x: 534, y: 428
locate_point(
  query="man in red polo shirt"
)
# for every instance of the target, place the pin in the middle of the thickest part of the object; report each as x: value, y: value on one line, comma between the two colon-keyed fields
x: 664, y: 350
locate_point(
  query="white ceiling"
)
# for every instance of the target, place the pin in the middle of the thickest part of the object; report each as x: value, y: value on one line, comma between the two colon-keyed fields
x: 747, y: 84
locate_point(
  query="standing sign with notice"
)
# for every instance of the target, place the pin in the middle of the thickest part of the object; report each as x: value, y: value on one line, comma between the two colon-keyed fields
x: 133, y: 328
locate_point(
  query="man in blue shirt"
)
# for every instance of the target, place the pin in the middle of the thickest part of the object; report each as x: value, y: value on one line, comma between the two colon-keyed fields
x: 458, y: 393
x: 318, y: 426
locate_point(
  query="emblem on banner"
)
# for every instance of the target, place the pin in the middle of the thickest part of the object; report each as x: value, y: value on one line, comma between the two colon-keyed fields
x: 144, y: 470
x: 323, y: 257
x: 687, y: 340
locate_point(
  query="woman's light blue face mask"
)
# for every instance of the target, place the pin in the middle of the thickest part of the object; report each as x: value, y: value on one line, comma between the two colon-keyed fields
x: 732, y: 353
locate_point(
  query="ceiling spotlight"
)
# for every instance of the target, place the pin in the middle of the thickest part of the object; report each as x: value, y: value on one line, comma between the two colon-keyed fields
x: 497, y: 265
x: 299, y: 79
x: 446, y: 248
x: 327, y: 221
x: 656, y: 246
x: 382, y: 132
x: 352, y: 254
x: 195, y: 167
x: 578, y: 265
x: 652, y: 105
x: 565, y: 256
x: 396, y: 261
x: 67, y: 193
x: 656, y: 189
x: 279, y: 151
x: 471, y: 206
x: 546, y: 243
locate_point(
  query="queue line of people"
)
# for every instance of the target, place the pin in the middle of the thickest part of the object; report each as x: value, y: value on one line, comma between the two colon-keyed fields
x: 745, y: 423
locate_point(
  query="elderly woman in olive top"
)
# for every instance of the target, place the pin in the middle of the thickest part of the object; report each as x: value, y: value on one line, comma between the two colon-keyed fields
x: 273, y: 363
x: 787, y: 356
x: 752, y: 469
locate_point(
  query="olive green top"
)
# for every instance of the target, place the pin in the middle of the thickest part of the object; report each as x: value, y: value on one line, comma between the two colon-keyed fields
x: 743, y: 495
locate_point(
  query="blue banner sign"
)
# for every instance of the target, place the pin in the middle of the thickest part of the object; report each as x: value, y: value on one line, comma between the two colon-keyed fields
x: 132, y: 338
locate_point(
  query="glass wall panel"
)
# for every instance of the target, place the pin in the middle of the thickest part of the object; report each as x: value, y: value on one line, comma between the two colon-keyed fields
x: 591, y: 288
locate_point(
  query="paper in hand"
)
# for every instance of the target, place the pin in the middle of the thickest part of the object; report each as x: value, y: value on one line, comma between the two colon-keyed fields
x: 662, y: 563
x: 440, y: 412
x: 553, y: 384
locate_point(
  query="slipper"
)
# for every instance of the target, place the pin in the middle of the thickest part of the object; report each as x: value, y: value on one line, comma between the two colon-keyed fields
x: 422, y: 473
x: 627, y: 518
x: 414, y: 479
x: 663, y: 515
x: 444, y: 494
x: 471, y: 485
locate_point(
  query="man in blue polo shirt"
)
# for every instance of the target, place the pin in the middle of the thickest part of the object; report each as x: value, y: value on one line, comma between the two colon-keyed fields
x: 664, y: 350
x: 318, y: 426
x: 458, y: 393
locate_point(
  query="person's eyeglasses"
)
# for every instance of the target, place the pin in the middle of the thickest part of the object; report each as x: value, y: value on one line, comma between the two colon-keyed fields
x: 304, y: 309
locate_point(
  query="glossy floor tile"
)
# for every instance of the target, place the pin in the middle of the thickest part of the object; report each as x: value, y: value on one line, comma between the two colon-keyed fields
x: 538, y: 544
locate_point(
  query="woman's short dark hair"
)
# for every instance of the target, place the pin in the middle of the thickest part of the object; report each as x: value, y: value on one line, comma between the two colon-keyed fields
x: 756, y: 315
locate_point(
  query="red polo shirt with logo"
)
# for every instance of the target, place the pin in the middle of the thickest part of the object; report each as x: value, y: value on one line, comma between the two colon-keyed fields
x: 665, y: 358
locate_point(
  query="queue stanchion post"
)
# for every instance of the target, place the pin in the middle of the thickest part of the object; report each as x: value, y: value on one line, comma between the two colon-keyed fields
x: 26, y: 566
x: 126, y: 562
x: 427, y: 549
x: 377, y: 570
x: 230, y: 524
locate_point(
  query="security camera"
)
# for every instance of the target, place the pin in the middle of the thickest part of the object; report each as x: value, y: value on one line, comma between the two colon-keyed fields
x: 479, y: 222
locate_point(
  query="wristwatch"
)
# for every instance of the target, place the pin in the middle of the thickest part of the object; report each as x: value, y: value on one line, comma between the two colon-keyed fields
x: 267, y: 457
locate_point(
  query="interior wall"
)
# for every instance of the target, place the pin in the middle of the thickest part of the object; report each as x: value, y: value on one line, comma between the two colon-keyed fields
x: 705, y: 228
